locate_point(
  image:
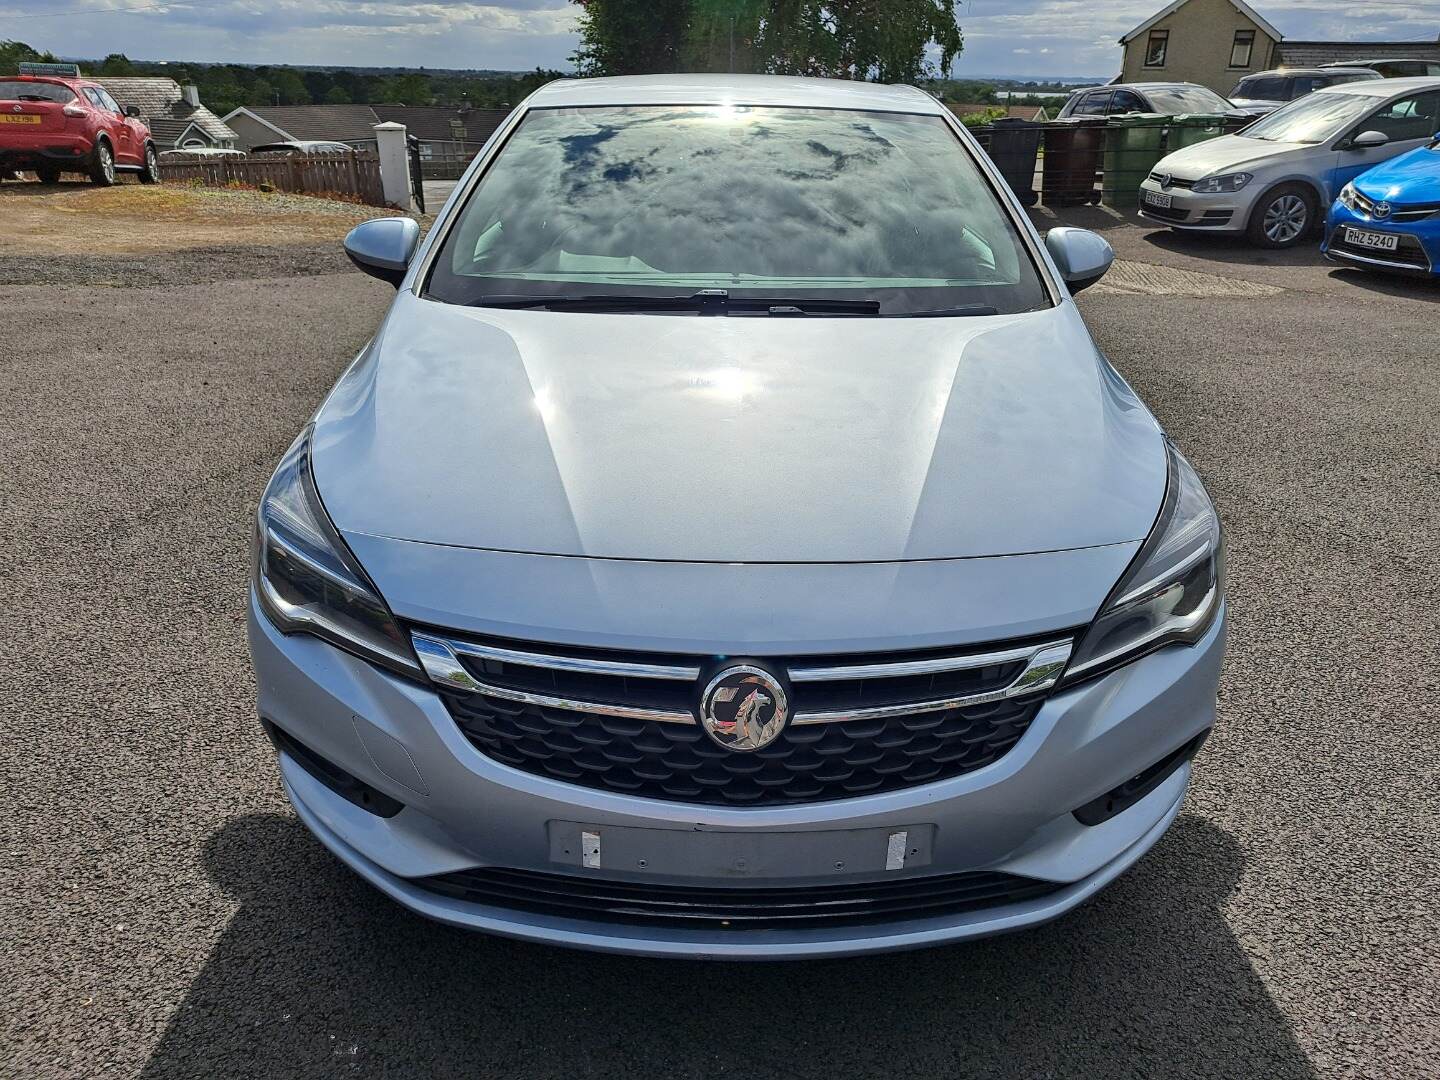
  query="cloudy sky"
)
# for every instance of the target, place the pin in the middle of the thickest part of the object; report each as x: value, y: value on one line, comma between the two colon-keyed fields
x: 1019, y: 37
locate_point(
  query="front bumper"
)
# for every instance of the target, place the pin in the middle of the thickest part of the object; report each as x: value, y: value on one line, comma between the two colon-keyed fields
x: 1417, y: 251
x: 463, y: 810
x: 1228, y: 212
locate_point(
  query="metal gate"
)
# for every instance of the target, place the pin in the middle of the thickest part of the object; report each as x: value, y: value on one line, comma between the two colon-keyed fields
x: 417, y: 172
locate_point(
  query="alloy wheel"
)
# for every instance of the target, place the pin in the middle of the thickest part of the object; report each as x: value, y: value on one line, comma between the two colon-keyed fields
x: 107, y: 163
x: 1286, y: 218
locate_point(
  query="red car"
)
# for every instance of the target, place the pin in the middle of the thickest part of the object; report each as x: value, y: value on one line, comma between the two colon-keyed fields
x: 52, y: 123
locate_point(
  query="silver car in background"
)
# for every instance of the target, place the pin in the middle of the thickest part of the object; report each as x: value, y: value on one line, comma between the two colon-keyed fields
x: 1275, y: 180
x: 1266, y: 91
x: 733, y: 544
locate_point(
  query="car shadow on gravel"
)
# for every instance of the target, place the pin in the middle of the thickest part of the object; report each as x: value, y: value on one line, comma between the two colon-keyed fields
x: 1231, y: 247
x: 1389, y: 284
x: 317, y: 972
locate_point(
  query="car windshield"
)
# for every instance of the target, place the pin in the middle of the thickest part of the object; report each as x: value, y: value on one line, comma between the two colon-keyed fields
x: 1187, y: 99
x: 886, y: 210
x: 1312, y: 119
x: 22, y: 90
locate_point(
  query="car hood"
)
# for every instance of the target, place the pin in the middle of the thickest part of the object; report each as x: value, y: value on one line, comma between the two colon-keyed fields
x: 736, y: 439
x: 1409, y: 178
x: 1256, y: 104
x: 1228, y: 153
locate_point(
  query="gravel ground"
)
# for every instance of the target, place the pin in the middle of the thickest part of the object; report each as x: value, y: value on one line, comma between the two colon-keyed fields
x: 166, y: 916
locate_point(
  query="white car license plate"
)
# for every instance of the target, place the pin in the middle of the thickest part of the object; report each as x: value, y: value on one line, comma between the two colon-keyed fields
x: 1375, y: 240
x: 1156, y: 198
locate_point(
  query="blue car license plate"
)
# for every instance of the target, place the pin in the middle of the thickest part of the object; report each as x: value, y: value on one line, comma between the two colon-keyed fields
x: 1376, y: 241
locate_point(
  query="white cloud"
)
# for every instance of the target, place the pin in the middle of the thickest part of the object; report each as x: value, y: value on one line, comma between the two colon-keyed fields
x: 1054, y: 37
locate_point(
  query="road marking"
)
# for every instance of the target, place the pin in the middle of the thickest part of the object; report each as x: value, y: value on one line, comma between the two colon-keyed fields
x: 1147, y: 279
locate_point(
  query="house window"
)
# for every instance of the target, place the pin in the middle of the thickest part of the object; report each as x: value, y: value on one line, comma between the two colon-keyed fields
x: 1243, y: 46
x: 1156, y: 48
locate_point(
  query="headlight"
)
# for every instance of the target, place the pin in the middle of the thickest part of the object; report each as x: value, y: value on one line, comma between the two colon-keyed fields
x: 306, y: 578
x: 1347, y: 197
x: 1218, y: 185
x: 1173, y: 589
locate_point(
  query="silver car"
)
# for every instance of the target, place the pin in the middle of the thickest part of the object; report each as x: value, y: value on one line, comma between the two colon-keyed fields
x: 1275, y: 180
x: 733, y: 544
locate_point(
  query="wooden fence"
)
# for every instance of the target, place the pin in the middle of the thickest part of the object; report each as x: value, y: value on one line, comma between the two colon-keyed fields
x: 356, y: 173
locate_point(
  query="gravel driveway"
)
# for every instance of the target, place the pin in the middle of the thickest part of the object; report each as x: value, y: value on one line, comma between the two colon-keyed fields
x: 165, y: 915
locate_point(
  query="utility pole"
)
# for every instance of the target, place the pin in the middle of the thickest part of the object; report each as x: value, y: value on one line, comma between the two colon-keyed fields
x: 732, y: 43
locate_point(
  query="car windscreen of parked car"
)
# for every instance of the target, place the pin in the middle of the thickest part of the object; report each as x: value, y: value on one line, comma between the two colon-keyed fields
x: 762, y: 202
x: 1187, y: 99
x: 1310, y: 119
x: 23, y: 90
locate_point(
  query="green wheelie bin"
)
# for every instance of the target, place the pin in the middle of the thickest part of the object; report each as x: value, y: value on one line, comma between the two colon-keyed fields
x: 1134, y: 142
x: 1187, y: 129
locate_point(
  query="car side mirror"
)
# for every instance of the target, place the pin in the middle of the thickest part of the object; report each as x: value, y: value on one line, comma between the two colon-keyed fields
x: 132, y: 111
x: 1081, y: 256
x: 1367, y: 139
x: 383, y: 247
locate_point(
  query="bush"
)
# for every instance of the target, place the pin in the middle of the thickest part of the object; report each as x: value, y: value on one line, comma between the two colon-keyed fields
x: 981, y: 119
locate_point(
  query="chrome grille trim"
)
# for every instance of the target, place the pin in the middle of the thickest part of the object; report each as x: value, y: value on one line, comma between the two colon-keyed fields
x: 829, y: 673
x: 1044, y: 664
x: 1041, y: 672
x: 630, y: 712
x: 585, y: 665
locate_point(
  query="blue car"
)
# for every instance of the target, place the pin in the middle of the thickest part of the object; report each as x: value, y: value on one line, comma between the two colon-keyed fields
x: 1389, y: 217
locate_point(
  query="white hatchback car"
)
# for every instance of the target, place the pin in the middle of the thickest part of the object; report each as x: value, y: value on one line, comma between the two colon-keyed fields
x: 1274, y: 180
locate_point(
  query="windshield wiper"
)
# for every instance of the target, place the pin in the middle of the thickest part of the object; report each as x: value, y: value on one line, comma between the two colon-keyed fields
x: 947, y: 312
x: 705, y: 302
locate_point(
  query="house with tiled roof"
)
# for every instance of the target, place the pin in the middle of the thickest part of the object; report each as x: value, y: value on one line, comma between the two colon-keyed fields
x: 173, y: 112
x: 441, y: 131
x: 1034, y: 113
x: 1216, y: 43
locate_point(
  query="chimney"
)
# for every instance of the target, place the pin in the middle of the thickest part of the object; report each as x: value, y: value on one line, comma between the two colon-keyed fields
x: 191, y: 95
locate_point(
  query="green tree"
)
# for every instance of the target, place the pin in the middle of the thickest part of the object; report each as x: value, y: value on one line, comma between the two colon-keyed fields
x: 290, y: 86
x: 337, y: 95
x: 632, y: 37
x: 117, y: 64
x: 14, y: 53
x: 882, y: 40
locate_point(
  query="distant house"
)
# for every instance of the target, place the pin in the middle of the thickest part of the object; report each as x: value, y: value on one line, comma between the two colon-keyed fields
x: 1215, y: 43
x: 1034, y: 113
x: 173, y: 112
x: 442, y: 132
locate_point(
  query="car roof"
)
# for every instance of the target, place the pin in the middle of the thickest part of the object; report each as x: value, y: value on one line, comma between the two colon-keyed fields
x: 1384, y: 88
x: 72, y: 82
x: 1338, y: 69
x: 1376, y: 60
x: 1153, y: 86
x: 708, y: 89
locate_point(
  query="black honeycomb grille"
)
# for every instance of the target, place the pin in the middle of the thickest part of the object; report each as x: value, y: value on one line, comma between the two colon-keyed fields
x: 679, y: 762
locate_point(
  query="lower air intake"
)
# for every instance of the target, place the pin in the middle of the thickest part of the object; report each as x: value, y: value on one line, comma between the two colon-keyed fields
x: 779, y: 908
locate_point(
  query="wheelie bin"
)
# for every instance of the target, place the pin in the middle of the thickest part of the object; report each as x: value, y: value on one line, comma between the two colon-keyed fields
x: 1187, y: 129
x: 1014, y: 146
x: 1072, y: 160
x: 1134, y: 142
